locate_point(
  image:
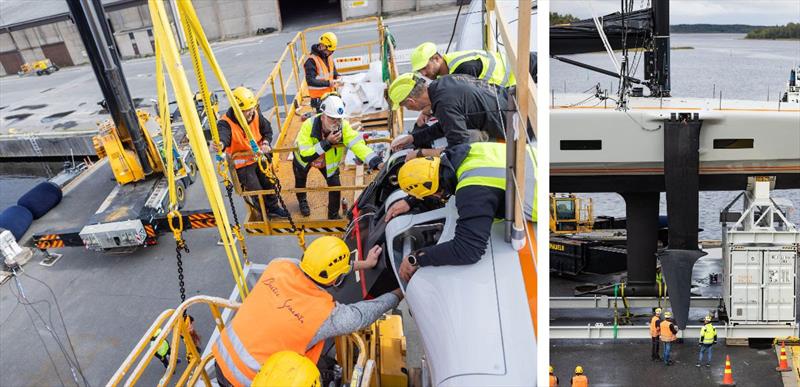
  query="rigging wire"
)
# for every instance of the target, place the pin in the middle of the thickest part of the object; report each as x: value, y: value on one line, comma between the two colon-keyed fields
x: 455, y: 23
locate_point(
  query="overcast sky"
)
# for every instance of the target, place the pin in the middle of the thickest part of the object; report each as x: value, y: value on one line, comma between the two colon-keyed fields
x: 753, y: 12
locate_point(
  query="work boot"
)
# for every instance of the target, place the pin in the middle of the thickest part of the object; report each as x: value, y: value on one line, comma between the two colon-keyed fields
x: 304, y: 209
x: 334, y: 215
x: 697, y: 365
x: 277, y: 212
x: 708, y: 365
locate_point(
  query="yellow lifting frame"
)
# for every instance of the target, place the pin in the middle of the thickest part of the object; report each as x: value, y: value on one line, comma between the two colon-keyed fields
x: 168, y: 52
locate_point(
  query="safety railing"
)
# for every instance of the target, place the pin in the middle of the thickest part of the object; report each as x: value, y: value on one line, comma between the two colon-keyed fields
x: 288, y: 89
x: 175, y: 323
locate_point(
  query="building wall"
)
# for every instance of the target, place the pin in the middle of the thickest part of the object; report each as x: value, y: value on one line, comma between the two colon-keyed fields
x: 352, y: 9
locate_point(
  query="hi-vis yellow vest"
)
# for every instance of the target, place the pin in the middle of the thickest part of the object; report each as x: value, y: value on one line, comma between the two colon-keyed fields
x: 308, y: 145
x: 494, y: 71
x: 485, y: 165
x: 707, y: 333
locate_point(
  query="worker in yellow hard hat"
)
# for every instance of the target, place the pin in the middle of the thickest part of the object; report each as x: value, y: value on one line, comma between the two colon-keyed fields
x: 668, y: 334
x: 476, y: 175
x: 237, y: 146
x: 708, y: 337
x: 289, y: 309
x: 655, y: 333
x: 467, y: 110
x: 553, y: 378
x: 320, y: 70
x: 579, y: 379
x: 287, y: 369
x: 489, y: 66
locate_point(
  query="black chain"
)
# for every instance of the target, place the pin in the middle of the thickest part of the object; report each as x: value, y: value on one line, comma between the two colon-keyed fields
x: 181, y: 245
x: 238, y: 228
x: 277, y: 184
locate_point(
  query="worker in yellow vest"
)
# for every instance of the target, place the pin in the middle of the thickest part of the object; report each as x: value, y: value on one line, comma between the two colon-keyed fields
x: 655, y: 321
x: 287, y: 369
x: 579, y: 379
x: 553, y: 378
x: 316, y: 147
x: 320, y: 70
x: 668, y: 334
x: 476, y: 175
x: 489, y: 66
x: 162, y: 353
x: 236, y: 144
x: 289, y: 309
x: 708, y: 337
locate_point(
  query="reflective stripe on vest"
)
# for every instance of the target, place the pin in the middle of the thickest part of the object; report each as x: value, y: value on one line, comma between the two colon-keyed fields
x: 484, y: 165
x: 654, y: 326
x: 334, y: 156
x: 284, y: 311
x: 240, y: 151
x: 666, y: 333
x: 491, y: 72
x: 324, y: 73
x: 580, y: 381
x: 707, y: 333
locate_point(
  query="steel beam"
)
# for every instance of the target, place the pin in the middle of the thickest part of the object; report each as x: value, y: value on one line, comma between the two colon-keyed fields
x: 607, y: 302
x: 602, y: 331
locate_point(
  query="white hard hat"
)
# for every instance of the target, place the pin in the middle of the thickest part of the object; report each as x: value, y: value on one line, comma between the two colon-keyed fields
x: 332, y: 106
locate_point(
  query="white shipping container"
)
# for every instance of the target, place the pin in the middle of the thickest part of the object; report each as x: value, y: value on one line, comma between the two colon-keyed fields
x: 760, y: 284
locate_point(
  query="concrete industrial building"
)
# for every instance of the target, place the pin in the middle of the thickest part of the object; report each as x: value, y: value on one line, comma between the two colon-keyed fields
x: 32, y: 30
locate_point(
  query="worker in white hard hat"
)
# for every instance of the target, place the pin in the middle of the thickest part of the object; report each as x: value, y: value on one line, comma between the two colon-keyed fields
x: 317, y: 147
x: 655, y: 332
x: 708, y: 337
x: 668, y: 333
x: 320, y: 70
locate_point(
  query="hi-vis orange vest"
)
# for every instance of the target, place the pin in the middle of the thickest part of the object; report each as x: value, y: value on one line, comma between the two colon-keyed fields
x: 324, y: 73
x: 580, y: 381
x: 654, y: 326
x: 553, y: 381
x: 666, y: 333
x: 283, y: 312
x: 240, y: 151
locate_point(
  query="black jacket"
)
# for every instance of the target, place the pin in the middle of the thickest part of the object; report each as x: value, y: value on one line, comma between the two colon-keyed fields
x: 461, y: 103
x: 311, y: 68
x: 477, y: 207
x: 264, y: 128
x: 470, y: 67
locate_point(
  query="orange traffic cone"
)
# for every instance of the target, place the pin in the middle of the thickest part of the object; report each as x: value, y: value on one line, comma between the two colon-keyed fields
x: 783, y: 365
x: 727, y: 377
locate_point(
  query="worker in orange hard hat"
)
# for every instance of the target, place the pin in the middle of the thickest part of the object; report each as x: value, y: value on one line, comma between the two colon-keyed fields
x: 320, y: 71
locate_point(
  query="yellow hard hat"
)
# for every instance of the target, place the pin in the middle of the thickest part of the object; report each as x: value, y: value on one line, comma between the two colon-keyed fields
x: 329, y: 40
x: 421, y: 55
x: 287, y: 369
x: 420, y: 177
x: 245, y: 98
x: 401, y: 87
x: 578, y: 370
x: 326, y: 259
x: 667, y: 314
x: 708, y: 318
x: 551, y: 369
x: 658, y: 311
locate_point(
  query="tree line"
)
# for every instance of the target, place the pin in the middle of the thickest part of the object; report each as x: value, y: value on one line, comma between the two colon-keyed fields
x: 789, y: 31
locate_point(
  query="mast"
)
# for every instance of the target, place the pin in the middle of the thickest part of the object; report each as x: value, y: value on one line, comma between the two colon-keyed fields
x: 660, y: 57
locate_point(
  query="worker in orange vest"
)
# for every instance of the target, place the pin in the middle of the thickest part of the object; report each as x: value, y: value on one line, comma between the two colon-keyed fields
x: 289, y: 309
x: 320, y: 71
x: 579, y: 379
x: 553, y: 378
x: 668, y: 332
x: 237, y: 146
x: 655, y: 328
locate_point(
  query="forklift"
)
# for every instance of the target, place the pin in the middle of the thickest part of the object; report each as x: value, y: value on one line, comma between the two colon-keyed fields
x: 135, y: 212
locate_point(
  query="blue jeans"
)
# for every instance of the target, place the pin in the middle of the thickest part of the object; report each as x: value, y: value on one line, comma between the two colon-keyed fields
x: 705, y: 348
x: 667, y: 350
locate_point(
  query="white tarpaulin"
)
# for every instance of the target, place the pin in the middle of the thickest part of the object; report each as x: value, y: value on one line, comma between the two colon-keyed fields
x: 362, y: 93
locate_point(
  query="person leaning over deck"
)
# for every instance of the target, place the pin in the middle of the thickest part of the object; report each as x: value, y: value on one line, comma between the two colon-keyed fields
x: 289, y: 310
x: 475, y: 174
x: 237, y: 146
x: 467, y: 110
x: 320, y: 70
x: 486, y: 65
x: 315, y: 148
